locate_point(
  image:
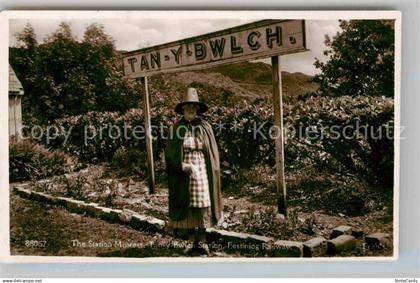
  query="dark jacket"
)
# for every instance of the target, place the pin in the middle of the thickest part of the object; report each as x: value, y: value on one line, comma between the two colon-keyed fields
x: 178, y: 180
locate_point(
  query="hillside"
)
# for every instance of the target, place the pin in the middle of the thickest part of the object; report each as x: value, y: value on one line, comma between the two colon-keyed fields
x: 248, y: 80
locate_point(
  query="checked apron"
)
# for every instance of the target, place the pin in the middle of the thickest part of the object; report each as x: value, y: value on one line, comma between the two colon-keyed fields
x: 199, y: 212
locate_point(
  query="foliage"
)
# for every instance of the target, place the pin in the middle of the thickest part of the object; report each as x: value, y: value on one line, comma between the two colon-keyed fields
x: 235, y: 128
x: 313, y: 189
x: 64, y: 76
x: 129, y: 162
x: 265, y: 222
x: 360, y: 60
x: 31, y: 161
x: 74, y: 187
x: 95, y: 136
x: 76, y: 85
x: 88, y: 184
x: 348, y: 135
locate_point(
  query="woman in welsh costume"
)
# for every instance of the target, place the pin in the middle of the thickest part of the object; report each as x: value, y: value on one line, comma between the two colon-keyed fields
x: 192, y: 165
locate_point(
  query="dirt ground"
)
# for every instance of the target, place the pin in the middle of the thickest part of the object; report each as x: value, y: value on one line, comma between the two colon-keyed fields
x: 244, y: 212
x: 45, y: 230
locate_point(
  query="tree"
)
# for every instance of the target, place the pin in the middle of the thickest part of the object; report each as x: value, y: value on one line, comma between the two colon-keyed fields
x: 64, y: 76
x: 359, y: 75
x: 360, y: 60
x: 27, y: 37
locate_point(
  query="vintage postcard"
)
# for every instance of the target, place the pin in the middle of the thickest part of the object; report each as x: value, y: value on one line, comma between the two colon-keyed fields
x: 199, y: 135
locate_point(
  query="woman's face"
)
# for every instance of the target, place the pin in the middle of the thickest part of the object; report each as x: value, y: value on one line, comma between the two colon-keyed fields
x: 190, y: 111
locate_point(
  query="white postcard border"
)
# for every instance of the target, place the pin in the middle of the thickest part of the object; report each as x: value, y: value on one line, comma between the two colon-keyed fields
x: 5, y: 16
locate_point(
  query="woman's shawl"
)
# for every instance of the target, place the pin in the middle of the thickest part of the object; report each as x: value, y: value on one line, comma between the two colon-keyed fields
x: 178, y: 180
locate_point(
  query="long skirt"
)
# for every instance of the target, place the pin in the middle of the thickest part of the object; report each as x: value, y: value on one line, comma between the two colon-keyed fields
x: 197, y: 217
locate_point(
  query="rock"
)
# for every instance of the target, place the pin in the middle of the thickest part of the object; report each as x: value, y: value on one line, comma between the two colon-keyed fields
x: 234, y: 224
x: 114, y: 215
x: 308, y: 226
x: 120, y: 201
x: 280, y: 218
x: 377, y: 241
x: 341, y: 230
x: 22, y: 192
x: 109, y: 214
x: 61, y: 201
x: 236, y: 240
x: 244, y: 211
x: 315, y: 247
x: 147, y: 223
x: 121, y: 191
x: 41, y: 197
x: 92, y: 209
x: 75, y: 206
x: 93, y: 195
x: 125, y: 215
x: 287, y: 249
x: 341, y: 243
x: 357, y: 233
x: 158, y: 224
x: 341, y: 215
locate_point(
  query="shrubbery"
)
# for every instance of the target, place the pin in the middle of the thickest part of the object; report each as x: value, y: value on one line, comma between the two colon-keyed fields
x: 28, y: 160
x: 324, y: 132
x: 129, y: 162
x: 92, y: 135
x: 348, y: 135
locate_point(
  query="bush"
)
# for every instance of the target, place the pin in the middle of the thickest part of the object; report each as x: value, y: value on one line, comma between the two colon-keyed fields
x: 315, y: 119
x: 234, y: 128
x: 348, y: 135
x: 95, y: 136
x: 129, y: 162
x: 31, y: 161
x: 74, y: 186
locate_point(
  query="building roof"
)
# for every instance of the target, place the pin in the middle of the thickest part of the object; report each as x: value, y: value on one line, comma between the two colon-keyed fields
x: 15, y: 87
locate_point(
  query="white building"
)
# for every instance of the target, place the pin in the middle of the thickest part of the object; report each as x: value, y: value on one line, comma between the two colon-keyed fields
x: 15, y: 104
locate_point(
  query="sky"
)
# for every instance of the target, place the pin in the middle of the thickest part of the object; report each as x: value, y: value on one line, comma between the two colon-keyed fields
x: 131, y: 34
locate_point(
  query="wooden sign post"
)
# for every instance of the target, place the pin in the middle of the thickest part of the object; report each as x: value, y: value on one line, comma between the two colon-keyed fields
x: 279, y: 139
x: 148, y: 136
x: 261, y: 39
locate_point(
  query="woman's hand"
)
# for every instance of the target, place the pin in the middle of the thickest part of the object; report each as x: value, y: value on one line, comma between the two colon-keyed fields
x: 190, y: 168
x: 186, y: 167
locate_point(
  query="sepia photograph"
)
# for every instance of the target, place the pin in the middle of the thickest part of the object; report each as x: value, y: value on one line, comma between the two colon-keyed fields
x: 203, y: 135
